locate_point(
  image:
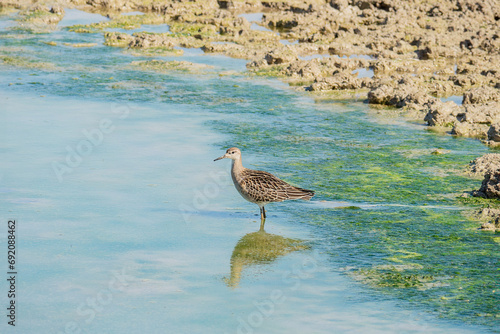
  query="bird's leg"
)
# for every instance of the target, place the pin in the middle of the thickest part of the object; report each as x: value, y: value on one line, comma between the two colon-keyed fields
x: 262, y: 213
x: 262, y: 217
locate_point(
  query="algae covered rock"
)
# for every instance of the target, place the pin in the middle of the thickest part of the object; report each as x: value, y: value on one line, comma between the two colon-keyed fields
x: 173, y: 65
x: 493, y: 225
x: 40, y: 18
x: 117, y: 39
x: 148, y: 40
x: 491, y: 218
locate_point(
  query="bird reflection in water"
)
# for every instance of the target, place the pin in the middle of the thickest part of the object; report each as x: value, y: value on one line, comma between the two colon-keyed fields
x: 259, y: 248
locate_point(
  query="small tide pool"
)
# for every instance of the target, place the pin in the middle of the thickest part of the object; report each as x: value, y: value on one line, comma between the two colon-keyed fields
x: 76, y: 16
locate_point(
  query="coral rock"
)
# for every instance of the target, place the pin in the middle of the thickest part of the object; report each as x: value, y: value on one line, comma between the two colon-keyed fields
x: 490, y: 188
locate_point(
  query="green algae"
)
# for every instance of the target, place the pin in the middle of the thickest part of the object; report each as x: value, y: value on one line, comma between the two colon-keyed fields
x: 79, y: 45
x: 269, y: 71
x: 408, y: 233
x: 36, y: 15
x: 117, y: 39
x: 199, y: 30
x: 7, y: 10
x: 25, y: 62
x: 150, y: 44
x: 155, y: 52
x: 479, y: 201
x: 173, y: 65
x: 422, y: 255
x: 392, y: 278
x: 38, y: 20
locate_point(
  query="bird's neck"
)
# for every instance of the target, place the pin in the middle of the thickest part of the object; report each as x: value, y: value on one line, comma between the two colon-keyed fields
x: 237, y: 166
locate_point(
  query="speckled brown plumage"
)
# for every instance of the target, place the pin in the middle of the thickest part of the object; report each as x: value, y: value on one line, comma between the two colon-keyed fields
x: 261, y: 187
x: 264, y: 187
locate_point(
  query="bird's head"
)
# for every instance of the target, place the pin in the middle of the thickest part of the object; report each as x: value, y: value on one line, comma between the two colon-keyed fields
x: 233, y: 153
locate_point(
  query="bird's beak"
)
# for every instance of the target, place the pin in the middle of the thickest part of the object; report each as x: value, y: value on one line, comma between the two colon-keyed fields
x: 222, y: 157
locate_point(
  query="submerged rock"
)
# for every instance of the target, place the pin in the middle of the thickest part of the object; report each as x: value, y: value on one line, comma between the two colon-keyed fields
x: 493, y: 225
x: 40, y: 18
x: 117, y: 39
x: 492, y: 215
x: 173, y: 65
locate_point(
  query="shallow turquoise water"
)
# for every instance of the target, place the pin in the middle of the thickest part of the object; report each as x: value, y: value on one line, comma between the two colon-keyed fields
x: 138, y: 231
x: 75, y: 16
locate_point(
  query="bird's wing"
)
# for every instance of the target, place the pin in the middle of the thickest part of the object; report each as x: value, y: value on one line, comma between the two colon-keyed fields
x: 265, y: 187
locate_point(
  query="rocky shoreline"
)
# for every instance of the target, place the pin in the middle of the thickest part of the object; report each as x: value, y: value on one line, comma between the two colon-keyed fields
x: 486, y: 168
x: 411, y: 55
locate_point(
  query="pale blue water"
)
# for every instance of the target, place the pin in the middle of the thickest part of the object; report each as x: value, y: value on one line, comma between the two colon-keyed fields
x: 355, y: 56
x: 315, y: 56
x: 252, y: 17
x: 327, y: 55
x: 157, y: 29
x: 256, y: 20
x: 75, y: 16
x: 287, y: 42
x: 126, y: 225
x: 364, y: 73
x: 455, y: 98
x: 255, y: 26
x: 132, y: 13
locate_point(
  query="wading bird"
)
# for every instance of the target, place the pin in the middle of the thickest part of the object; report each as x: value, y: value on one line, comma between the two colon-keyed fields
x: 261, y: 187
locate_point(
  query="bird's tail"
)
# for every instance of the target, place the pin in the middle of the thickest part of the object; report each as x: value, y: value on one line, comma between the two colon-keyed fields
x: 299, y: 193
